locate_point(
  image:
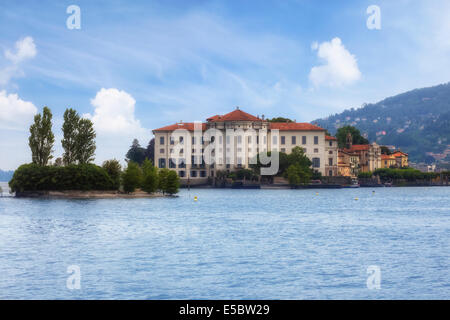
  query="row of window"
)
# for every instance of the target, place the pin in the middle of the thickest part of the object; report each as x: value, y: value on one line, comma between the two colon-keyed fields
x: 193, y: 174
x: 249, y: 139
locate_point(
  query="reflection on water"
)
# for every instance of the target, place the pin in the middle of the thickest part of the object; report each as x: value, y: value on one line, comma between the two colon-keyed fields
x: 230, y: 244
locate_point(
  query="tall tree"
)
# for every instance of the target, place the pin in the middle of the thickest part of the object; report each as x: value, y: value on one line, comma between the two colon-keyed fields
x: 136, y: 153
x: 150, y: 152
x: 85, y: 142
x: 70, y: 131
x: 114, y: 170
x: 357, y: 138
x: 150, y: 176
x: 41, y: 138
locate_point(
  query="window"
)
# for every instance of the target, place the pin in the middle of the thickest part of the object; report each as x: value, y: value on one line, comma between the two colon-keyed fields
x: 304, y: 150
x: 193, y: 150
x: 283, y: 150
x: 172, y: 163
x: 193, y: 140
x: 331, y: 143
x: 316, y: 150
x: 181, y: 140
x: 161, y: 140
x: 172, y: 140
x: 202, y: 173
x: 303, y: 139
x: 181, y: 151
x: 181, y: 163
x: 283, y: 140
x: 274, y: 140
x: 330, y: 161
x: 161, y: 150
x: 213, y: 139
x: 182, y: 173
x: 330, y: 173
x: 239, y: 149
x: 330, y: 152
x: 316, y: 140
x: 294, y: 139
x: 193, y: 173
x: 162, y: 163
x: 316, y: 162
x: 228, y: 139
x: 239, y: 139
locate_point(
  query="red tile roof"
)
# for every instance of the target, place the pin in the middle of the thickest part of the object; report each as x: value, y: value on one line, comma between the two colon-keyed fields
x: 294, y: 126
x: 399, y: 154
x: 330, y: 138
x: 183, y: 125
x: 387, y: 157
x: 359, y: 147
x: 236, y: 115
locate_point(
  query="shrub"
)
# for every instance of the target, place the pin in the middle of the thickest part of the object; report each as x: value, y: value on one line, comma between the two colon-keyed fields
x: 132, y: 177
x: 31, y: 177
x: 150, y: 177
x: 114, y: 170
x: 173, y: 182
x: 365, y: 175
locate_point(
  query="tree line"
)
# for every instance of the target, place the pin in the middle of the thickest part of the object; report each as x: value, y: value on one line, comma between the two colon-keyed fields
x: 75, y: 170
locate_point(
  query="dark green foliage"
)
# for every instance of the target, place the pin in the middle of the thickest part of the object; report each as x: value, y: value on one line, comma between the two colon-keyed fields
x: 79, y: 139
x: 41, y: 138
x: 150, y: 152
x: 385, y: 150
x: 132, y: 177
x: 173, y: 182
x: 114, y: 170
x: 357, y: 138
x: 280, y: 119
x: 150, y: 177
x: 32, y: 177
x: 297, y: 174
x: 365, y: 175
x: 85, y: 141
x: 70, y: 131
x: 408, y: 174
x: 162, y: 179
x: 136, y: 153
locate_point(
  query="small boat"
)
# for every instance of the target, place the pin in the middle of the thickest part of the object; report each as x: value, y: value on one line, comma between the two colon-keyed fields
x: 354, y: 184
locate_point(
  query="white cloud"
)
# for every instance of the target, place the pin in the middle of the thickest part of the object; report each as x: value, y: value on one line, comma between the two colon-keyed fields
x: 25, y: 49
x: 114, y: 112
x: 15, y: 113
x: 340, y: 68
x: 115, y: 123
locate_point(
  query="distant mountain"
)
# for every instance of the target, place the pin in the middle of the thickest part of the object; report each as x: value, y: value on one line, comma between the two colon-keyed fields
x: 417, y: 121
x: 6, y: 175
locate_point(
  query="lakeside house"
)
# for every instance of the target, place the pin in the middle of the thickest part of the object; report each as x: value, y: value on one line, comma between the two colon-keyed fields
x: 233, y: 140
x: 196, y: 151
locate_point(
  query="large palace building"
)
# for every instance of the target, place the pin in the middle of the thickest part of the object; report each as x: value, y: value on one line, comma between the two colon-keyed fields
x: 232, y: 141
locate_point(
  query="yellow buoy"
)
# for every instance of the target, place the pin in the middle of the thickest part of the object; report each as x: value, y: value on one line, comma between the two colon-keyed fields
x: 195, y: 198
x: 317, y: 193
x: 356, y: 198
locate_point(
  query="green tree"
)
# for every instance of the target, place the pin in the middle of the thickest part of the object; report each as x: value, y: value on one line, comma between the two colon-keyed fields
x: 41, y: 138
x: 280, y: 119
x: 136, y: 153
x: 357, y: 138
x: 150, y: 177
x: 150, y: 151
x: 385, y: 150
x: 173, y: 182
x: 114, y: 170
x: 70, y: 132
x: 132, y: 177
x: 297, y: 156
x: 163, y: 179
x: 85, y: 141
x: 293, y: 175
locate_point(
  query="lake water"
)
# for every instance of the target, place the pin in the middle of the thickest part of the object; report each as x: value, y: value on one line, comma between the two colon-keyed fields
x: 230, y: 244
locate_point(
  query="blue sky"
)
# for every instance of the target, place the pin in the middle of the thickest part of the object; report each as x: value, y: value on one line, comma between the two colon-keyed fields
x: 139, y: 65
